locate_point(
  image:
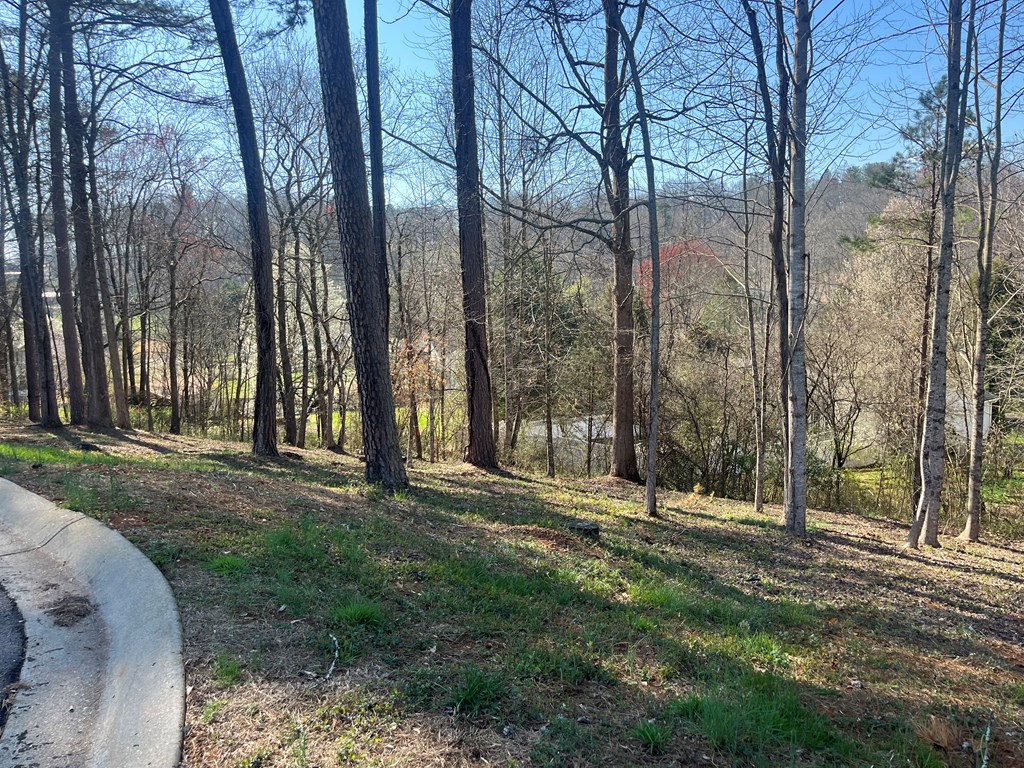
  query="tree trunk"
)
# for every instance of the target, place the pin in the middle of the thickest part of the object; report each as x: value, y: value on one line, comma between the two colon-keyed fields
x: 364, y: 292
x: 616, y: 182
x: 287, y: 377
x: 480, y: 449
x: 777, y: 142
x: 986, y: 240
x: 172, y: 347
x: 59, y: 209
x: 300, y: 321
x: 94, y: 361
x: 651, y: 500
x: 751, y: 317
x: 933, y: 447
x: 795, y: 510
x: 264, y: 432
x: 375, y: 128
x: 39, y: 369
x: 8, y: 366
x: 122, y: 416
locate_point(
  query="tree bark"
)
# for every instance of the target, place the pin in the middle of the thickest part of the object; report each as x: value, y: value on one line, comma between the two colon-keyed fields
x: 375, y: 128
x: 986, y: 239
x: 480, y: 449
x: 39, y: 368
x: 616, y: 182
x: 287, y: 376
x: 795, y: 510
x: 98, y: 413
x: 364, y: 292
x: 264, y: 432
x: 59, y: 210
x: 933, y: 447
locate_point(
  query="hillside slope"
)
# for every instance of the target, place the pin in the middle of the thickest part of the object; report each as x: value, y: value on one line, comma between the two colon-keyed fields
x: 462, y: 623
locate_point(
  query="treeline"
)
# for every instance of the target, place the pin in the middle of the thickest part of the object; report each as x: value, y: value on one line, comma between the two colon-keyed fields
x: 608, y: 238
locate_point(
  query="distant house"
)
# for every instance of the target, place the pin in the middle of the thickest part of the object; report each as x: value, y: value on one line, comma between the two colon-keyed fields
x: 960, y: 415
x: 685, y: 266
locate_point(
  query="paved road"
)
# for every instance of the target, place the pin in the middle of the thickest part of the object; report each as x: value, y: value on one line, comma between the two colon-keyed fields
x: 12, y: 647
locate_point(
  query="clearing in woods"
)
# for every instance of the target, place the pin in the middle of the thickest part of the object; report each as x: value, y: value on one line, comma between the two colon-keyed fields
x: 461, y: 623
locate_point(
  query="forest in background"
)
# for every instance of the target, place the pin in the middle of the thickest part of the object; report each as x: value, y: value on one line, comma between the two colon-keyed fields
x: 821, y: 330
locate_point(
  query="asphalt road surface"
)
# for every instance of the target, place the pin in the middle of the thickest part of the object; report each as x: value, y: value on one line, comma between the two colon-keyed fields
x: 12, y: 648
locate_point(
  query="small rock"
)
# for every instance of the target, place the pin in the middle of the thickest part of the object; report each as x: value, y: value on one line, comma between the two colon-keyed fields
x: 584, y: 528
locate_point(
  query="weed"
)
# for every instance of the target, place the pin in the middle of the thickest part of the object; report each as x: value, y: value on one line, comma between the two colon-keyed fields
x: 653, y: 736
x: 257, y: 759
x: 571, y: 668
x: 211, y: 709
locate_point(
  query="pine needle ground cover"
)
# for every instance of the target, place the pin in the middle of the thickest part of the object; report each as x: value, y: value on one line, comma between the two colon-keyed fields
x: 461, y: 623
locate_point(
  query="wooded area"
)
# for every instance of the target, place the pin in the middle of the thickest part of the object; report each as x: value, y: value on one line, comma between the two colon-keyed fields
x: 658, y: 226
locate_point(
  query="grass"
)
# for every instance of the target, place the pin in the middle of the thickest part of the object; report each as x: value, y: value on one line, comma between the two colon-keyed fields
x: 459, y: 622
x: 653, y: 736
x: 227, y: 670
x: 476, y: 692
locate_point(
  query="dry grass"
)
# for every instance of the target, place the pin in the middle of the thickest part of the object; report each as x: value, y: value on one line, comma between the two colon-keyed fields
x: 469, y: 585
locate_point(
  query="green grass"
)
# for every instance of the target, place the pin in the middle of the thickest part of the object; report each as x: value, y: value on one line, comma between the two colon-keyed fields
x: 455, y: 608
x: 227, y: 670
x: 755, y: 714
x: 357, y: 612
x: 653, y: 736
x: 228, y: 565
x: 476, y: 692
x: 213, y: 708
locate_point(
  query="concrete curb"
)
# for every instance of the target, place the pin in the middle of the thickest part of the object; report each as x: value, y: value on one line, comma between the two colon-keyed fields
x: 103, y: 679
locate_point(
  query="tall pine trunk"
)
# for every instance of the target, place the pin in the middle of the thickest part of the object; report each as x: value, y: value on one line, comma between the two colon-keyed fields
x: 94, y: 362
x: 480, y: 449
x: 59, y: 211
x: 364, y: 292
x: 264, y: 428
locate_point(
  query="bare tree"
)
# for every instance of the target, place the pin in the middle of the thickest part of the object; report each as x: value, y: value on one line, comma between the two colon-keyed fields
x: 988, y: 210
x: 933, y: 446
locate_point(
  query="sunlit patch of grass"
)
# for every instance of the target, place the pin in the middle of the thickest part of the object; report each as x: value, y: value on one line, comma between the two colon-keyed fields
x: 754, y: 714
x: 228, y: 565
